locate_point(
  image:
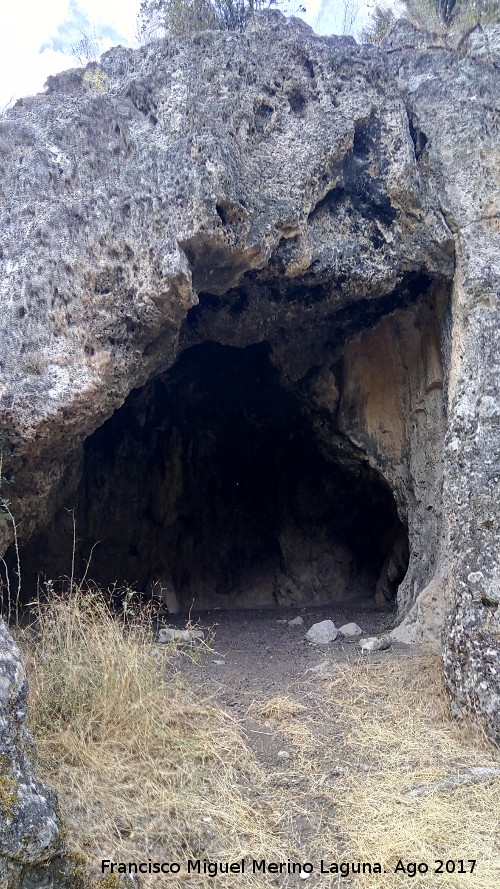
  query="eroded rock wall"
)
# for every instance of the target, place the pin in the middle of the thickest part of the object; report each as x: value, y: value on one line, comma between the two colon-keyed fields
x: 322, y: 198
x: 453, y: 100
x: 29, y: 825
x: 393, y: 409
x: 173, y: 170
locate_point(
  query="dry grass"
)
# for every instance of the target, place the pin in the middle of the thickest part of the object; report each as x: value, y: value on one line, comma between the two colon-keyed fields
x: 276, y: 710
x: 147, y: 768
x: 143, y: 766
x: 289, y: 716
x: 395, y: 724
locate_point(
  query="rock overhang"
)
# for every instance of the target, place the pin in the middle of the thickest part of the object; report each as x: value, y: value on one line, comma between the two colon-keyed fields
x: 184, y: 171
x: 301, y: 175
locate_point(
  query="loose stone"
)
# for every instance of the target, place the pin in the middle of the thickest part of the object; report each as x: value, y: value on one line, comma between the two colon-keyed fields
x: 375, y: 643
x: 322, y: 633
x: 351, y: 631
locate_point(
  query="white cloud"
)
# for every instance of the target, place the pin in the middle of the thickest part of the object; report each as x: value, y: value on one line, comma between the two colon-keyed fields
x: 335, y: 16
x: 36, y: 36
x: 29, y: 50
x: 121, y: 15
x: 23, y: 27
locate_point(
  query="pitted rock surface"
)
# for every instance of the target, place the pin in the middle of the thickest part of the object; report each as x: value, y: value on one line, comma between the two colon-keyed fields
x: 29, y: 826
x: 336, y: 202
x: 172, y: 170
x: 463, y: 157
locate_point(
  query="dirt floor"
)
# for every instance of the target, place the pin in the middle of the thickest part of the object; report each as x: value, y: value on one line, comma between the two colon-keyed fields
x: 257, y: 666
x: 256, y: 655
x: 254, y: 746
x: 295, y: 709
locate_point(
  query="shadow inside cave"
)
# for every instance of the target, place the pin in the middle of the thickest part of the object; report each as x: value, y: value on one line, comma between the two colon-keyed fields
x: 211, y: 486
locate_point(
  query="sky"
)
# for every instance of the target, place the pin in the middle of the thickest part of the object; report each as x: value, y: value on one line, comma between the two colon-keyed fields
x: 38, y: 37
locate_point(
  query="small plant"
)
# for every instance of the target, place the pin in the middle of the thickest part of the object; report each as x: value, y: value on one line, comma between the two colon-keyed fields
x: 88, y: 47
x: 94, y: 658
x: 189, y: 16
x: 437, y: 16
x: 382, y: 20
x: 9, y: 599
x: 8, y: 797
x: 96, y: 79
x: 5, y: 108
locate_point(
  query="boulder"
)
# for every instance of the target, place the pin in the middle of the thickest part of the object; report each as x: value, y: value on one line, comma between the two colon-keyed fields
x: 30, y: 830
x: 169, y: 634
x: 322, y: 633
x: 351, y: 631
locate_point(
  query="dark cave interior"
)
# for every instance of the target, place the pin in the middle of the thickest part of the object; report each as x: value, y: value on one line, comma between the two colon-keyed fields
x: 210, y: 485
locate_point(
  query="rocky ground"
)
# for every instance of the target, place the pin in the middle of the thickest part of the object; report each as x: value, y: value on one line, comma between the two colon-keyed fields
x: 258, y: 746
x: 256, y: 657
x: 344, y: 739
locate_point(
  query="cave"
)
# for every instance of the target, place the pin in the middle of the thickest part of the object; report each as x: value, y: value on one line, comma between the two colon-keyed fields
x: 180, y: 221
x: 211, y: 488
x: 287, y: 456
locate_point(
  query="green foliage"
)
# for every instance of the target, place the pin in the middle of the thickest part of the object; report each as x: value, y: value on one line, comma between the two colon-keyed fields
x: 431, y: 15
x: 463, y: 13
x: 478, y: 11
x: 382, y: 20
x: 437, y: 16
x: 187, y: 16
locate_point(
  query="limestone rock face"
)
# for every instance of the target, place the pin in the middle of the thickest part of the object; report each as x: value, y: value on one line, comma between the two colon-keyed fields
x: 331, y: 207
x: 172, y: 171
x: 452, y: 100
x: 29, y: 826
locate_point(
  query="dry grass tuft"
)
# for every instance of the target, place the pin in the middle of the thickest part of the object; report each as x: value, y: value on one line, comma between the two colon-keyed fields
x: 397, y: 737
x: 145, y: 767
x: 276, y: 710
x: 287, y: 715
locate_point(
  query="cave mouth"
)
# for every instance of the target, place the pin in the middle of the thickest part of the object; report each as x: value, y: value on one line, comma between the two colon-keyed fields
x: 209, y: 486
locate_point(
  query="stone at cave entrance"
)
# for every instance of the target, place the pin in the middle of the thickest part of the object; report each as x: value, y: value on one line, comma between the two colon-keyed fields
x: 375, y: 643
x: 322, y: 669
x: 171, y: 635
x: 322, y: 633
x: 351, y: 631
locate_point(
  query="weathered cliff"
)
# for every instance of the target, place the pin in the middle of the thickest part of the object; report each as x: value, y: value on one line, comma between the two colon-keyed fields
x: 29, y: 826
x: 316, y: 222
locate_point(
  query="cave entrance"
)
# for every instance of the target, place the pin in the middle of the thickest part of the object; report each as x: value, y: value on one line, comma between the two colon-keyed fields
x: 209, y: 484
